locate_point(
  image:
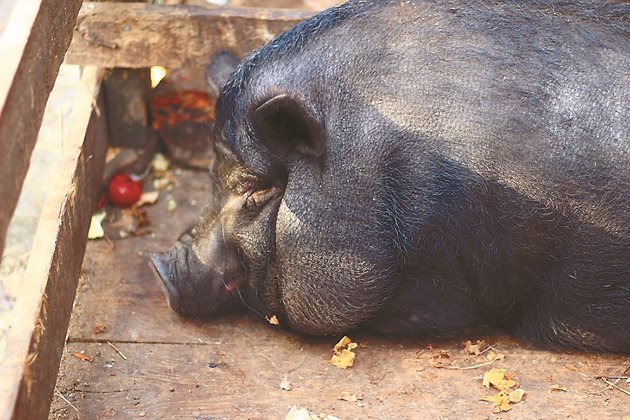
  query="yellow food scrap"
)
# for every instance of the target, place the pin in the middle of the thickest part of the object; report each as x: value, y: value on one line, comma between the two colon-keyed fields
x: 493, y: 356
x: 297, y: 413
x: 160, y: 165
x: 82, y: 356
x: 149, y: 197
x: 301, y: 413
x: 516, y: 396
x: 96, y: 230
x: 273, y: 320
x: 348, y: 396
x: 439, y: 359
x: 171, y: 204
x: 500, y: 379
x: 501, y: 402
x: 471, y: 348
x: 507, y: 387
x: 343, y: 356
x: 161, y: 183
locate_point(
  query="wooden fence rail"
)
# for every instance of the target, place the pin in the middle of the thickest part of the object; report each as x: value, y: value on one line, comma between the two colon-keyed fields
x: 36, y: 326
x: 142, y: 35
x: 32, y: 48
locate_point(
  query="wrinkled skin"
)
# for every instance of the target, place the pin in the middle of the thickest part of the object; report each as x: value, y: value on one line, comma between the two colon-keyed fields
x: 425, y: 168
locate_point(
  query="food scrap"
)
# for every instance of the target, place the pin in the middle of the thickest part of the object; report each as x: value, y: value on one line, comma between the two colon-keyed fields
x: 509, y: 391
x: 149, y: 197
x: 557, y: 387
x: 343, y: 356
x: 285, y: 385
x: 474, y: 349
x: 162, y: 177
x: 141, y: 221
x: 161, y: 183
x: 82, y: 356
x: 99, y: 329
x: 347, y: 396
x: 160, y: 165
x: 297, y: 413
x: 273, y: 320
x: 492, y: 356
x: 96, y: 229
x: 439, y: 359
x: 499, y: 378
x: 171, y: 204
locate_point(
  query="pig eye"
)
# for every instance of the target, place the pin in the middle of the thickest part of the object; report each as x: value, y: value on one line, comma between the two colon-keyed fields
x: 259, y: 198
x: 187, y: 234
x: 186, y: 238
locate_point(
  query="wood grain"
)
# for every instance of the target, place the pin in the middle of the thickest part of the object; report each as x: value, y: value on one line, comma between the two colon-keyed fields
x: 144, y: 35
x: 35, y: 329
x: 239, y: 377
x: 32, y: 48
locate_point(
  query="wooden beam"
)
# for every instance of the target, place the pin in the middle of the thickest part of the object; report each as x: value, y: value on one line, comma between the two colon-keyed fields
x: 32, y: 49
x: 34, y: 331
x: 144, y: 35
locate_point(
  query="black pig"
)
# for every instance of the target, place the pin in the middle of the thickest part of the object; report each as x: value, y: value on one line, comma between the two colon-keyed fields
x: 428, y: 168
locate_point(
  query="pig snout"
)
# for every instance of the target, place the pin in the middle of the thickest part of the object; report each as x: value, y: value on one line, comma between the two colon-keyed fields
x: 200, y: 284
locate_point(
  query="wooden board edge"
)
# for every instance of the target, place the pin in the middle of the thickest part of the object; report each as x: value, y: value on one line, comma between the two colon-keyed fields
x: 137, y: 35
x: 36, y: 328
x: 32, y: 48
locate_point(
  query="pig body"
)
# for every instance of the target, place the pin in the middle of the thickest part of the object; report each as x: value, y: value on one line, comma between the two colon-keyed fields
x: 425, y: 168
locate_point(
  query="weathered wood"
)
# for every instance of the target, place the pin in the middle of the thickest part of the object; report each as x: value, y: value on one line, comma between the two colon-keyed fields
x: 35, y: 330
x: 231, y: 367
x: 238, y: 377
x: 126, y: 98
x: 32, y: 49
x: 144, y: 35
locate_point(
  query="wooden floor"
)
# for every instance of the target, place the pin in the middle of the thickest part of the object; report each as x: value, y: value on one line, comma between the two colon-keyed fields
x: 232, y: 367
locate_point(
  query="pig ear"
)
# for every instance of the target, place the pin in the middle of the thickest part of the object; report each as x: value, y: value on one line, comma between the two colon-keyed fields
x: 285, y: 124
x: 219, y: 71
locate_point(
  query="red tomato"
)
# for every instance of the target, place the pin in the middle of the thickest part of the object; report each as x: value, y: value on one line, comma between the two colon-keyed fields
x: 124, y: 191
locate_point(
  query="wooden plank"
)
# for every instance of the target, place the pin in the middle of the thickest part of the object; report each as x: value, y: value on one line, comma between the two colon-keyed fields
x: 231, y: 367
x: 144, y: 35
x: 34, y: 331
x: 32, y: 49
x: 239, y: 377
